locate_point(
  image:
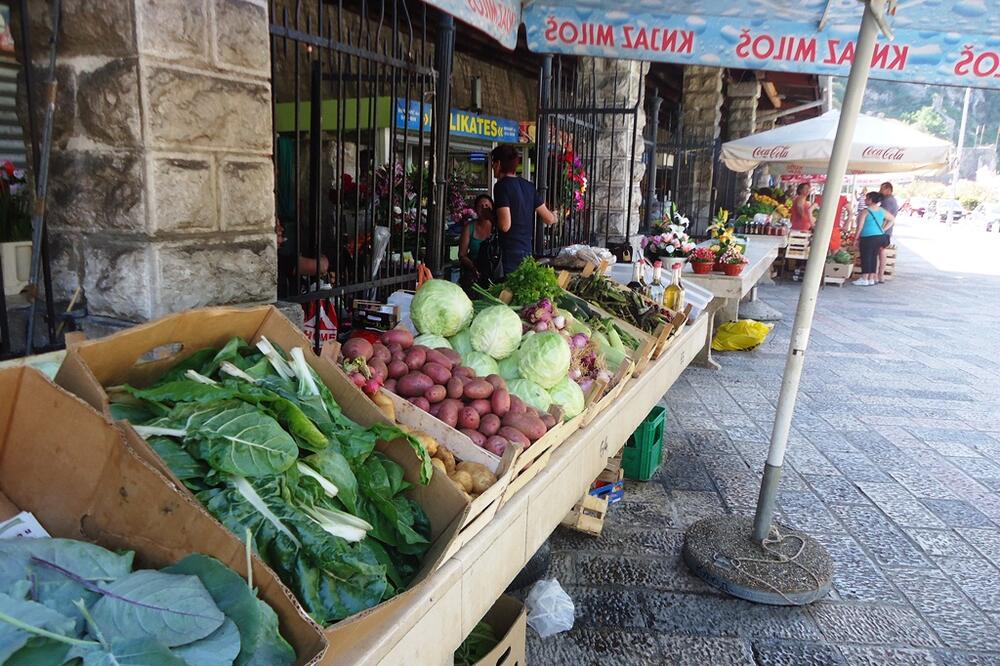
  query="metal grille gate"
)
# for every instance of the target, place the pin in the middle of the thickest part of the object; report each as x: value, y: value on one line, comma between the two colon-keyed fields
x: 353, y: 93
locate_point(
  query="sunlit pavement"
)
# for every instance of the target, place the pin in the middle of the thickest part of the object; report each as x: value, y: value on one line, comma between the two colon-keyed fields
x: 893, y: 464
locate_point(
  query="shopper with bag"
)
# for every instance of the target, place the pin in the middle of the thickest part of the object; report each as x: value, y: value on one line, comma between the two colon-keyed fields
x: 474, y: 236
x: 517, y: 204
x: 873, y: 223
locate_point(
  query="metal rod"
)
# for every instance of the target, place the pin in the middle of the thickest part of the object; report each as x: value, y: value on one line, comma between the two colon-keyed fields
x: 542, y: 141
x: 961, y: 145
x: 315, y: 166
x: 795, y: 360
x: 42, y: 180
x: 654, y: 130
x: 444, y: 55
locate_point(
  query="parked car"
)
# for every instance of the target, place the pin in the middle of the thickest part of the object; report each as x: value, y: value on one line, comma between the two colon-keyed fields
x: 915, y: 206
x: 988, y: 215
x: 949, y: 210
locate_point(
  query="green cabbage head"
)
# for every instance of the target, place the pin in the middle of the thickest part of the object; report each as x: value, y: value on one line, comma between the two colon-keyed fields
x: 461, y: 342
x: 508, y: 367
x: 440, y: 307
x: 432, y: 341
x: 530, y: 393
x: 496, y: 331
x: 483, y: 364
x: 568, y: 395
x: 545, y: 359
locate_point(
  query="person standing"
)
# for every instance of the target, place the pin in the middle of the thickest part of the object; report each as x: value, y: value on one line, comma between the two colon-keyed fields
x: 517, y: 202
x: 473, y: 235
x: 891, y: 206
x: 873, y: 222
x: 802, y: 209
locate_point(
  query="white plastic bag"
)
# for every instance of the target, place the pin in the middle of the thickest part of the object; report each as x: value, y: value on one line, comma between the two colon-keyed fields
x: 403, y: 300
x: 550, y: 609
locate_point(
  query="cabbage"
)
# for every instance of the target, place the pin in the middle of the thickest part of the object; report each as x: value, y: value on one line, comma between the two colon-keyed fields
x: 568, y: 395
x: 432, y: 341
x: 461, y: 342
x: 530, y: 394
x: 508, y: 367
x: 440, y: 307
x: 496, y: 331
x: 545, y: 359
x: 482, y: 363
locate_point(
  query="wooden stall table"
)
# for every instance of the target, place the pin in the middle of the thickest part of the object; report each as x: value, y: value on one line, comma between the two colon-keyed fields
x: 428, y: 629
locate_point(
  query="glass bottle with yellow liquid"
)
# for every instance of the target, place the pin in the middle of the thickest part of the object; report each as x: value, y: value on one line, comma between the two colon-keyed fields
x: 673, y: 295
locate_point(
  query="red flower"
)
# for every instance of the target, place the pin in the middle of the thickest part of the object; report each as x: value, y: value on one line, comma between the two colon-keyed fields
x: 8, y: 166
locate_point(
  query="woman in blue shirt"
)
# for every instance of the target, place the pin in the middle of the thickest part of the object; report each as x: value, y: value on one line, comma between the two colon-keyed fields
x: 517, y: 204
x: 873, y: 225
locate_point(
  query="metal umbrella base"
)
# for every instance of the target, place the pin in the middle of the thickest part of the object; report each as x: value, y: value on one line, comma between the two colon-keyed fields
x: 790, y: 569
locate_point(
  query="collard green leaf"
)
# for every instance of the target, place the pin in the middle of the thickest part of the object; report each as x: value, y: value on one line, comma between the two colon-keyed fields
x: 217, y: 649
x: 173, y: 610
x: 128, y: 652
x: 261, y: 643
x: 243, y: 441
x: 13, y: 639
x: 39, y: 651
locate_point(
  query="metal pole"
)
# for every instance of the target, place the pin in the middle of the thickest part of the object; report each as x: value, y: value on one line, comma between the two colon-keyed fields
x: 542, y: 143
x: 961, y: 144
x: 654, y: 130
x: 814, y: 271
x: 443, y: 55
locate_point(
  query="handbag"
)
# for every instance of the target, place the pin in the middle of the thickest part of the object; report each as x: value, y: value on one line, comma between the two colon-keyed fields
x: 489, y: 261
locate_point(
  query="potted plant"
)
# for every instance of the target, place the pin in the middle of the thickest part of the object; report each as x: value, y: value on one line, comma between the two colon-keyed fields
x: 702, y: 260
x: 15, y: 228
x: 732, y: 261
x: 839, y: 264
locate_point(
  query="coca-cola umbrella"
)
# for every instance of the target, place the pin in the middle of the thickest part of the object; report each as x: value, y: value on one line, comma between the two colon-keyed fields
x: 880, y: 145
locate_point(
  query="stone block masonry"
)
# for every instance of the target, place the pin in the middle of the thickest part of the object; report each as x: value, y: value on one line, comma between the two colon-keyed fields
x: 701, y: 112
x: 742, y: 121
x: 161, y: 185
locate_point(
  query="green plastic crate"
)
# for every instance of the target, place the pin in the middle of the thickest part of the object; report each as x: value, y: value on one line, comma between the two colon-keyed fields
x: 644, y: 450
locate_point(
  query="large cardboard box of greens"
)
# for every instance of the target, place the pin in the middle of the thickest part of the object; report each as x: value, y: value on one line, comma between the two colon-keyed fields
x: 67, y: 466
x: 352, y: 598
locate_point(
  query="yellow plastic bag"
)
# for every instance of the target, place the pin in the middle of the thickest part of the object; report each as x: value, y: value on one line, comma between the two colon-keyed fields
x: 740, y: 335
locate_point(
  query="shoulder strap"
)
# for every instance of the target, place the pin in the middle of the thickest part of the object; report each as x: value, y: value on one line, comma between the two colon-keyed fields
x: 872, y: 215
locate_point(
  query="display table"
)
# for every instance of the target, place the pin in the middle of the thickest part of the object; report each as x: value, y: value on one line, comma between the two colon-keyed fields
x: 428, y: 628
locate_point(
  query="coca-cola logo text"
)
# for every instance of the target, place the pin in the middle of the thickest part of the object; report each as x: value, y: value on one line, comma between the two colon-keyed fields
x: 892, y: 153
x: 771, y: 152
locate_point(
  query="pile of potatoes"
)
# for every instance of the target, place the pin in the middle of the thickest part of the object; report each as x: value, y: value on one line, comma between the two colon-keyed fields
x: 471, y: 478
x: 436, y: 381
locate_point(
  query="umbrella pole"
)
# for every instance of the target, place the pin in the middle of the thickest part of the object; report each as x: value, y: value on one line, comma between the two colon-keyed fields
x: 746, y: 558
x: 839, y: 157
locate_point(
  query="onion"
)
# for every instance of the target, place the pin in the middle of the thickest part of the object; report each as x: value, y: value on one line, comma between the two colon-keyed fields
x: 586, y: 384
x: 579, y: 341
x: 559, y: 321
x: 542, y: 326
x: 575, y: 373
x: 546, y: 305
x: 604, y: 375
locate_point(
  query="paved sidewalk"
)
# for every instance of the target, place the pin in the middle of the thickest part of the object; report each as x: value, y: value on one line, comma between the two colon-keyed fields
x: 893, y: 463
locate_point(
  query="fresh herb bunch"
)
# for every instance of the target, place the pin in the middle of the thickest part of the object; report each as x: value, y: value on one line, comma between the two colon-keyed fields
x: 530, y: 283
x: 264, y: 446
x: 625, y: 304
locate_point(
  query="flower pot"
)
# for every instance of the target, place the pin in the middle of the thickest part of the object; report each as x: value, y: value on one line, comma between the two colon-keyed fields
x: 702, y: 267
x: 718, y: 266
x: 16, y: 261
x: 732, y: 270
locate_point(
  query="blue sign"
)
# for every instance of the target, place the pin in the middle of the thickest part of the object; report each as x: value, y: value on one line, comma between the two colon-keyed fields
x: 462, y: 123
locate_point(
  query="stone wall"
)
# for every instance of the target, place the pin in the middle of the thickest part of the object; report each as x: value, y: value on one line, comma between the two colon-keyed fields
x: 741, y: 121
x: 701, y: 113
x: 161, y: 184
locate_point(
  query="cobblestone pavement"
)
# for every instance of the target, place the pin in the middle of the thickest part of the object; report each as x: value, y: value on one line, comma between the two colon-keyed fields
x: 893, y: 464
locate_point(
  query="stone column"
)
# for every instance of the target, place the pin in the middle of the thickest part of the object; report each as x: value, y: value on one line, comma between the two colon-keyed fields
x: 742, y: 121
x: 619, y: 83
x: 701, y: 113
x: 161, y: 185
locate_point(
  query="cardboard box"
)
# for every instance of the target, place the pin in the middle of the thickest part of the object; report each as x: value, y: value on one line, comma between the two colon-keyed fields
x: 66, y: 464
x: 510, y: 623
x: 140, y: 355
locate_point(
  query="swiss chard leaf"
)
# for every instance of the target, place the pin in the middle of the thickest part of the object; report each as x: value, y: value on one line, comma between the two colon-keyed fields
x: 195, y: 361
x: 182, y: 390
x: 241, y: 440
x: 173, y: 610
x: 230, y: 352
x: 289, y: 414
x: 184, y: 466
x: 389, y: 433
x: 334, y: 466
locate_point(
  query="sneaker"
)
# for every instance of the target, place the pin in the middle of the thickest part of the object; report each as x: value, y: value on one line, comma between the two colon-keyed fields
x: 861, y: 282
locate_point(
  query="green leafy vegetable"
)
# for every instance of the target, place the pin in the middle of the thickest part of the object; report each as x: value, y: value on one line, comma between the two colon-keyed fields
x: 477, y: 645
x: 482, y: 363
x: 544, y: 358
x: 530, y: 282
x: 530, y: 393
x: 496, y: 331
x: 440, y: 307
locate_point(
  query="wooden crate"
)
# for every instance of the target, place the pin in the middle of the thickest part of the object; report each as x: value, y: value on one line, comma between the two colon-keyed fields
x: 599, y: 400
x: 587, y: 515
x: 799, y: 243
x: 613, y: 471
x: 533, y: 459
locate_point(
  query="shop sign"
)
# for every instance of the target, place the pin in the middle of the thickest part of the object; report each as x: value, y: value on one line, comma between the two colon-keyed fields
x: 462, y: 123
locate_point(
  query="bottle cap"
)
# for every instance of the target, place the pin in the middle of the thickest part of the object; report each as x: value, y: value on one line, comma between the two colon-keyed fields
x: 657, y: 263
x: 677, y: 265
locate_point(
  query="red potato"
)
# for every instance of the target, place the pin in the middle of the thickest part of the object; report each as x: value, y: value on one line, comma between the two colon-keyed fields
x: 496, y: 445
x: 497, y: 382
x: 528, y: 409
x: 394, y: 347
x: 435, y: 409
x: 449, y: 412
x: 468, y: 418
x: 381, y: 352
x: 481, y: 406
x: 398, y: 336
x: 452, y: 355
x: 477, y: 437
x: 399, y: 355
x: 500, y: 402
x: 462, y: 371
x: 397, y: 369
x: 531, y: 426
x: 357, y: 348
x: 390, y: 384
x: 489, y: 424
x: 477, y: 389
x: 514, y: 436
x: 422, y: 403
x: 435, y: 394
x: 548, y: 420
x: 413, y: 384
x: 517, y: 406
x: 378, y: 369
x: 435, y: 356
x: 437, y: 372
x: 557, y: 413
x: 455, y: 387
x: 415, y: 358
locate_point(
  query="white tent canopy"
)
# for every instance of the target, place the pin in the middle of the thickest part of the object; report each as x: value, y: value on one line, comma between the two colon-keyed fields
x: 880, y: 145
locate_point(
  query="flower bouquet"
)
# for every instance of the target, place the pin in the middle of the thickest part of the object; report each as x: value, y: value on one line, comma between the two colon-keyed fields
x: 702, y: 260
x: 671, y: 244
x: 573, y: 179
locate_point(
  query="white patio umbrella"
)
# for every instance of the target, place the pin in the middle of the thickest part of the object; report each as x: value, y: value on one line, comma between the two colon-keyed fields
x: 879, y: 145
